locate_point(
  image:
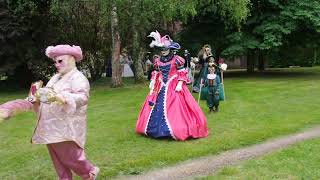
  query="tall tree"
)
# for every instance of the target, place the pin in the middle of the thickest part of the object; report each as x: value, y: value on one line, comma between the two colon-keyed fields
x: 212, y: 23
x: 83, y: 23
x: 272, y: 24
x: 140, y: 17
x: 24, y: 31
x: 116, y: 43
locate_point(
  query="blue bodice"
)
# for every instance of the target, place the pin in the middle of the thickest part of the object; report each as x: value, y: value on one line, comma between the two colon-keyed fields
x: 165, y: 72
x: 157, y: 125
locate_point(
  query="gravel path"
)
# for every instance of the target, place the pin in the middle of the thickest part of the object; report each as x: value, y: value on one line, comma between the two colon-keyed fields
x: 210, y: 164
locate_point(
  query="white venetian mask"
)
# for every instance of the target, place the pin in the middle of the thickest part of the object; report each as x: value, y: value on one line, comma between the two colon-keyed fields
x: 64, y: 63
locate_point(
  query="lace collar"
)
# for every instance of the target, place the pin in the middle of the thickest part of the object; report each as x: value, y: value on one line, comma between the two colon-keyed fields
x: 165, y: 59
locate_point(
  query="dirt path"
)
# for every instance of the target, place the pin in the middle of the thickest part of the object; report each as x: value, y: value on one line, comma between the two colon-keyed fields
x: 210, y: 164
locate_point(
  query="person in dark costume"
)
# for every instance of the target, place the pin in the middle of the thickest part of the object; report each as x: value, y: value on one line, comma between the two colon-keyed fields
x: 187, y: 58
x: 204, y: 56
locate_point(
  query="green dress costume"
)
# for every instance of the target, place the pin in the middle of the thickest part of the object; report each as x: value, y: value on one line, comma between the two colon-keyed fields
x: 203, y: 75
x: 213, y: 85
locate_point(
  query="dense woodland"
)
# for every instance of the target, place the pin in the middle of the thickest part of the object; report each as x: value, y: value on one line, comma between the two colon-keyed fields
x: 280, y: 32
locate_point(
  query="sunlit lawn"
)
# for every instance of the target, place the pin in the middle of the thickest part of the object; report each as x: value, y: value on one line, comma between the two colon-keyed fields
x: 301, y: 161
x: 258, y: 107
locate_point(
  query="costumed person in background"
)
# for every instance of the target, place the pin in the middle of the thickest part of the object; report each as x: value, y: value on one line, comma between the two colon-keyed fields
x: 188, y: 64
x: 145, y: 63
x: 170, y: 111
x: 213, y: 84
x: 187, y: 58
x: 204, y: 52
x: 126, y: 61
x: 149, y: 67
x: 219, y: 69
x: 204, y: 56
x: 62, y: 114
x: 109, y: 68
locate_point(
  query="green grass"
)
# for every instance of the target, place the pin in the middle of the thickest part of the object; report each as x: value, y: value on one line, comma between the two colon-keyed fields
x: 301, y: 161
x: 258, y: 107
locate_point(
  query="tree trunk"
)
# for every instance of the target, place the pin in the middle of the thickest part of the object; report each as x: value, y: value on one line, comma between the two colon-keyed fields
x: 116, y: 43
x: 261, y: 61
x: 315, y: 55
x: 250, y: 61
x: 137, y: 57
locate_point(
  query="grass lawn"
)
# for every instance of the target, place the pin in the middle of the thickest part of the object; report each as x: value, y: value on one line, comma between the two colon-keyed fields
x: 300, y: 161
x: 258, y: 107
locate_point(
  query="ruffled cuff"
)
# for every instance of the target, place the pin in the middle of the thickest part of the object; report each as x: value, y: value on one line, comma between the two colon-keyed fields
x: 70, y: 105
x: 183, y: 75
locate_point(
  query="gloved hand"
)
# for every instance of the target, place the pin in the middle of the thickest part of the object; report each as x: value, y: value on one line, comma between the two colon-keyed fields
x: 59, y: 99
x: 44, y: 94
x: 47, y: 95
x: 151, y: 85
x: 179, y: 86
x: 224, y: 66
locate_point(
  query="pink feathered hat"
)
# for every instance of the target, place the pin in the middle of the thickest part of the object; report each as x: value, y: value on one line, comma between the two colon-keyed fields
x: 54, y: 51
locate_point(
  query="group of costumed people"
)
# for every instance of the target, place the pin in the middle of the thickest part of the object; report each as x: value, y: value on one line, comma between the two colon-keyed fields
x: 169, y: 110
x: 209, y: 83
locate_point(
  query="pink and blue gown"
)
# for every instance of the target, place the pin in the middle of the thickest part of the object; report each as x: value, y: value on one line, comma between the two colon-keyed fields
x: 175, y: 114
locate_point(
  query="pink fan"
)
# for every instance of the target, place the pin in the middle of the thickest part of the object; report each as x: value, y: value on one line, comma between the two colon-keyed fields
x: 11, y: 108
x: 33, y: 91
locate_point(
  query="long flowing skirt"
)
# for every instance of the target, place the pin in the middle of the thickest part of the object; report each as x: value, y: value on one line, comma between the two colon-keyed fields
x: 181, y: 115
x: 127, y: 72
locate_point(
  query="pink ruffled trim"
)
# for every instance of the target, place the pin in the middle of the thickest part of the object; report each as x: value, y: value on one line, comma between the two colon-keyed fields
x: 179, y: 61
x: 183, y: 76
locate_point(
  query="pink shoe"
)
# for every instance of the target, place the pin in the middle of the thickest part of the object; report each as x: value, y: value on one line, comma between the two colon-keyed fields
x: 95, y: 172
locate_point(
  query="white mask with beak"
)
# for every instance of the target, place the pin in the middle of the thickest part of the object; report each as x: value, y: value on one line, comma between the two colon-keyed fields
x: 165, y: 52
x: 64, y: 63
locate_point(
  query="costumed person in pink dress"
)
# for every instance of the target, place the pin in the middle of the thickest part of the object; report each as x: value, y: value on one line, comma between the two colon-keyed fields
x: 62, y: 111
x: 170, y: 111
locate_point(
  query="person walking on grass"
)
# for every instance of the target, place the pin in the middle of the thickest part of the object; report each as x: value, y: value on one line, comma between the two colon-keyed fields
x: 62, y: 111
x: 170, y: 111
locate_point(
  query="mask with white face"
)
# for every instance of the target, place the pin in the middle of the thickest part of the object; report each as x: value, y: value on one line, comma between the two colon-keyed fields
x: 165, y: 52
x: 64, y: 63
